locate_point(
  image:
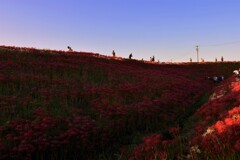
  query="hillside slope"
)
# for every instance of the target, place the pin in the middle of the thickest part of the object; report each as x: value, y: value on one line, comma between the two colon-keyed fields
x: 214, y: 133
x: 75, y: 105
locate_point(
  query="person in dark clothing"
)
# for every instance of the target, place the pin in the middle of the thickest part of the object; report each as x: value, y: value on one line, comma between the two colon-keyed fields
x: 113, y: 53
x: 216, y: 79
x: 153, y: 58
x: 222, y: 58
x: 220, y: 78
x: 69, y: 49
x: 130, y: 56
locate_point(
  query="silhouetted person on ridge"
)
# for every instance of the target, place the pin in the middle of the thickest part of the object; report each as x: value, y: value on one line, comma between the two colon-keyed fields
x: 69, y: 49
x: 130, y: 56
x: 222, y: 58
x: 190, y: 59
x: 152, y: 59
x: 215, y: 59
x: 113, y: 53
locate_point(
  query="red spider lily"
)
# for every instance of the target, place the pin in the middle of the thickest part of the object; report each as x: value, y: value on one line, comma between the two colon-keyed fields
x: 222, y: 137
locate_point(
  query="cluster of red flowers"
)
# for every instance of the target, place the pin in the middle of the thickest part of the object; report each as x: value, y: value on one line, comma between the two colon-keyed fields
x: 79, y: 102
x: 152, y: 148
x: 156, y: 147
x: 24, y: 138
x: 218, y: 132
x: 216, y: 135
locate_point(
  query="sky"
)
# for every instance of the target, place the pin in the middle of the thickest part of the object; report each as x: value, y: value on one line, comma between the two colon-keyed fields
x: 166, y: 29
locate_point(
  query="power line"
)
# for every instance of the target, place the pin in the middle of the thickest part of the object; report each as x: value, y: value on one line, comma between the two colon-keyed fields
x: 221, y: 44
x: 208, y: 45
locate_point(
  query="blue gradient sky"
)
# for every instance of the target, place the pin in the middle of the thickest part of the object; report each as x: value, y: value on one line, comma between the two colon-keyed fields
x: 167, y: 29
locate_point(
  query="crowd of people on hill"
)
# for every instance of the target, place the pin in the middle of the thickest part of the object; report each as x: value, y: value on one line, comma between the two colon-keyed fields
x: 152, y: 59
x: 222, y: 59
x: 217, y: 79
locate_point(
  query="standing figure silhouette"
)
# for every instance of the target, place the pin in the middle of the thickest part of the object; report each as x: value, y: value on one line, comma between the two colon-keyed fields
x: 130, y: 56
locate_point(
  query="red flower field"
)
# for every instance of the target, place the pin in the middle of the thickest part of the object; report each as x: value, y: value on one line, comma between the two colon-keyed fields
x: 215, y: 135
x: 77, y: 105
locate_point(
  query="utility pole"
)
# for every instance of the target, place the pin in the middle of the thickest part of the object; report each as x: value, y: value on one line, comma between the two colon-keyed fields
x: 197, y: 53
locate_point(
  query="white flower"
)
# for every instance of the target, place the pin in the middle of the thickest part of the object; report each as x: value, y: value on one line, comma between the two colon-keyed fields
x: 195, y: 149
x: 209, y: 131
